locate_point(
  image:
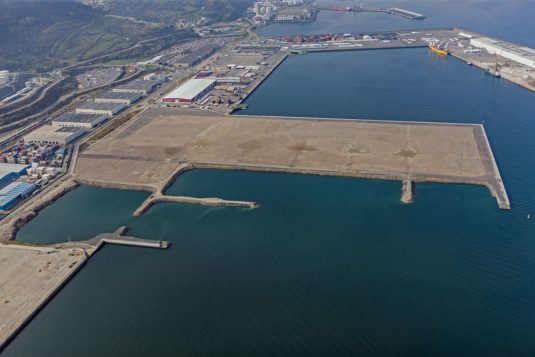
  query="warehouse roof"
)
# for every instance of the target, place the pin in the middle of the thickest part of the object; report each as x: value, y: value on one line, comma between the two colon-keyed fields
x: 12, y: 168
x: 139, y: 84
x: 191, y: 88
x: 78, y: 118
x: 14, y: 190
x: 507, y: 46
x: 100, y: 106
x: 117, y: 95
x: 52, y: 133
x: 67, y: 129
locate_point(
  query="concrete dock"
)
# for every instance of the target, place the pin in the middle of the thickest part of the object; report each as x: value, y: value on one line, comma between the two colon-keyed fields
x: 459, y: 46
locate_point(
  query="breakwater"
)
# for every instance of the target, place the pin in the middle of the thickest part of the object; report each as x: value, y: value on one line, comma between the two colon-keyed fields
x: 158, y: 192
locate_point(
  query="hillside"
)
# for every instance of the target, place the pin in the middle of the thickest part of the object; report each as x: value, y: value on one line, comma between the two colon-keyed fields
x: 41, y: 35
x: 171, y: 11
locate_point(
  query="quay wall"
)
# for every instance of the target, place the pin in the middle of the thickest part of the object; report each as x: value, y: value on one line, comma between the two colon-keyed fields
x: 43, y: 302
x: 117, y: 185
x: 84, y: 258
x: 346, y: 49
x: 505, y: 75
x: 258, y: 83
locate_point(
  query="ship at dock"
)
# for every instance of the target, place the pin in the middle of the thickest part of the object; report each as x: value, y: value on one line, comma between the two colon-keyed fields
x: 440, y: 48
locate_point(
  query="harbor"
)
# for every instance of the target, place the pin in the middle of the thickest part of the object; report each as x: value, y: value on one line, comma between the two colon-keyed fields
x: 231, y: 77
x: 151, y: 152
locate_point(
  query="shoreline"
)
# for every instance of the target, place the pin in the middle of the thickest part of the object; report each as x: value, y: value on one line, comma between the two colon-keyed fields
x: 84, y: 249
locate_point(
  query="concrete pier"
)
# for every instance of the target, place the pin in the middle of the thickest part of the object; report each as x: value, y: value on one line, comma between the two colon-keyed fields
x: 91, y: 246
x: 407, y: 191
x: 211, y: 201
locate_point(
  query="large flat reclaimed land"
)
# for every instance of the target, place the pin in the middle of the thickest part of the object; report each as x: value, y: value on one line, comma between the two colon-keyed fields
x: 28, y: 278
x: 149, y: 147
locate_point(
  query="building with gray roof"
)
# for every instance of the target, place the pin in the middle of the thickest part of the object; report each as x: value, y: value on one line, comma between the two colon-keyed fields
x: 109, y: 109
x: 77, y: 120
x: 125, y: 98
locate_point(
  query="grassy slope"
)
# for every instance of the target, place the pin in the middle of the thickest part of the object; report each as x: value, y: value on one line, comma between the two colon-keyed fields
x: 170, y: 11
x: 40, y: 35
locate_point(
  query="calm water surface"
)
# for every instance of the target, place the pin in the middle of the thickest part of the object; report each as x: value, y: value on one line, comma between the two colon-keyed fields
x: 509, y: 20
x: 326, y: 266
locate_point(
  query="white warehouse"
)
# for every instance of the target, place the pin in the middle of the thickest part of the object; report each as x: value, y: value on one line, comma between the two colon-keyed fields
x: 523, y: 55
x: 190, y: 91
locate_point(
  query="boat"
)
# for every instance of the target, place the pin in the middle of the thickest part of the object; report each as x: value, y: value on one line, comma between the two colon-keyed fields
x: 495, y: 74
x: 343, y: 9
x: 438, y: 48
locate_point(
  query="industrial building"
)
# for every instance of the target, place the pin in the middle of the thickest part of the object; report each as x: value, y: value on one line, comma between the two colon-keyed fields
x: 109, y: 109
x: 137, y: 86
x: 51, y: 134
x: 77, y: 120
x: 194, y: 57
x: 4, y: 77
x: 297, y: 14
x: 13, y: 192
x: 9, y: 172
x: 190, y: 91
x: 125, y: 98
x: 522, y: 55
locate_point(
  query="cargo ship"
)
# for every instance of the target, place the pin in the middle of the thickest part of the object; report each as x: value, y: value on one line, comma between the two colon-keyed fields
x: 438, y: 48
x: 343, y: 9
